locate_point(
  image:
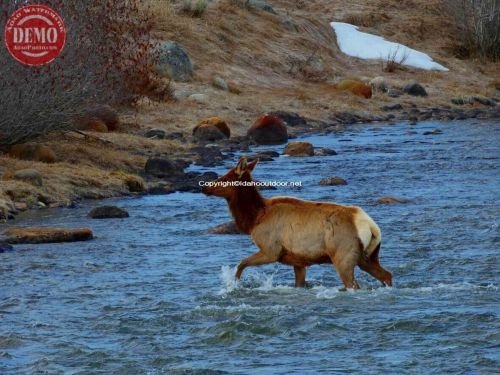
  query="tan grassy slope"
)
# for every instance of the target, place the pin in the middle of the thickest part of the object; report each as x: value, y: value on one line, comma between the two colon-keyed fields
x: 284, y: 61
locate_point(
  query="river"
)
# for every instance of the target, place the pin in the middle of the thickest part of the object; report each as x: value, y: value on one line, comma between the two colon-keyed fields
x: 155, y: 294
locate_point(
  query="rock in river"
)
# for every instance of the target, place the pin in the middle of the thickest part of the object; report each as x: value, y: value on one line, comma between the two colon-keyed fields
x: 226, y: 228
x: 333, y: 181
x: 108, y: 212
x: 389, y: 200
x: 163, y: 168
x: 299, y: 149
x: 36, y: 235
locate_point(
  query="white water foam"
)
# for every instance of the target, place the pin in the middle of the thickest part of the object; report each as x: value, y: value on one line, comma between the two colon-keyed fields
x: 330, y: 293
x: 227, y: 276
x: 264, y: 282
x: 258, y: 281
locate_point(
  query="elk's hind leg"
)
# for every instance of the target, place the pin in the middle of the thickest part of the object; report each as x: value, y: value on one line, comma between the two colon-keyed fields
x: 373, y: 267
x: 346, y: 273
x: 345, y: 260
x: 300, y: 276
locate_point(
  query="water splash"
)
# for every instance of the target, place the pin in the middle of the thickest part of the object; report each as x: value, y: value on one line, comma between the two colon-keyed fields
x: 229, y: 281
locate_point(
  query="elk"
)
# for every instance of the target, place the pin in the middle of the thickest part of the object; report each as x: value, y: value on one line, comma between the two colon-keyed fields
x: 300, y: 233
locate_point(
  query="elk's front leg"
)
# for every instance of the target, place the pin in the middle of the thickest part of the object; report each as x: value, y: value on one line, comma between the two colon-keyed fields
x: 300, y: 276
x: 257, y: 259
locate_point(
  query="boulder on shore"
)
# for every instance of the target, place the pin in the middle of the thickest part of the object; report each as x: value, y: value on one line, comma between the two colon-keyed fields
x: 162, y: 168
x: 108, y: 212
x: 36, y: 235
x: 268, y: 130
x: 174, y: 62
x: 415, y: 89
x: 211, y: 129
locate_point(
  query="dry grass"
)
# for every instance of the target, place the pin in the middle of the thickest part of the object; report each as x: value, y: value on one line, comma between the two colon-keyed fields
x: 285, y: 61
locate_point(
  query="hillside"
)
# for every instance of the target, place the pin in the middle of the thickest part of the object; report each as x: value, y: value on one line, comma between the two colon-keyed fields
x: 286, y: 60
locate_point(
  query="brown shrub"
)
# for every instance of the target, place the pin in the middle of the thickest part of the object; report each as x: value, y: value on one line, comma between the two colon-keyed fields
x: 108, y: 58
x: 33, y: 152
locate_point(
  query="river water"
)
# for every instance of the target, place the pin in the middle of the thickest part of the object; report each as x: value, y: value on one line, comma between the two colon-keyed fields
x: 154, y: 293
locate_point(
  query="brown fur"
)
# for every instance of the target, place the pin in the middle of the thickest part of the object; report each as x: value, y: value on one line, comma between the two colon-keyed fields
x: 356, y: 87
x: 302, y: 233
x: 33, y: 152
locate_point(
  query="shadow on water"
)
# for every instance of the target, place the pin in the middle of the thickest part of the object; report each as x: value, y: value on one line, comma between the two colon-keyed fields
x: 155, y: 294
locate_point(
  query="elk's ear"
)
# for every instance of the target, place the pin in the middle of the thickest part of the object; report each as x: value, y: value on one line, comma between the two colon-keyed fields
x: 251, y: 165
x: 242, y: 166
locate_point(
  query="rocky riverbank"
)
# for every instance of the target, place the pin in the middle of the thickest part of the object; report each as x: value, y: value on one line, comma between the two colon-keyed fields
x: 164, y: 173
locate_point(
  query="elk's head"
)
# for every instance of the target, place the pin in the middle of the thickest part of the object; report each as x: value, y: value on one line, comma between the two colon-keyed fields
x: 226, y: 185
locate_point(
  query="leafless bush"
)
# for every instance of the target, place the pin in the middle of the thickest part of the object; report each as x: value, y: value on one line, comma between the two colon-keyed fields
x: 394, y: 60
x: 108, y: 58
x: 196, y: 8
x: 478, y: 22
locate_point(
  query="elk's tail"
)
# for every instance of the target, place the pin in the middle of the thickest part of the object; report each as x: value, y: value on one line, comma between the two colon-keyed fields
x: 369, y: 234
x: 374, y: 244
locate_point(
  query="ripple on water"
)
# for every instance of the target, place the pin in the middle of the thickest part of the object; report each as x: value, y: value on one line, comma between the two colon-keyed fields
x: 153, y: 299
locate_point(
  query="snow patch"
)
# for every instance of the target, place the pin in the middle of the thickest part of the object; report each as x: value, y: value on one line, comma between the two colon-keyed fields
x: 355, y: 43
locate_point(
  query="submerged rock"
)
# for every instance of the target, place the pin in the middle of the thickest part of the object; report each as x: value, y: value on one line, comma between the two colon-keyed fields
x: 299, y: 149
x: 324, y: 151
x: 108, y: 212
x: 390, y: 200
x: 226, y: 228
x: 333, y: 181
x: 5, y: 247
x: 35, y: 235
